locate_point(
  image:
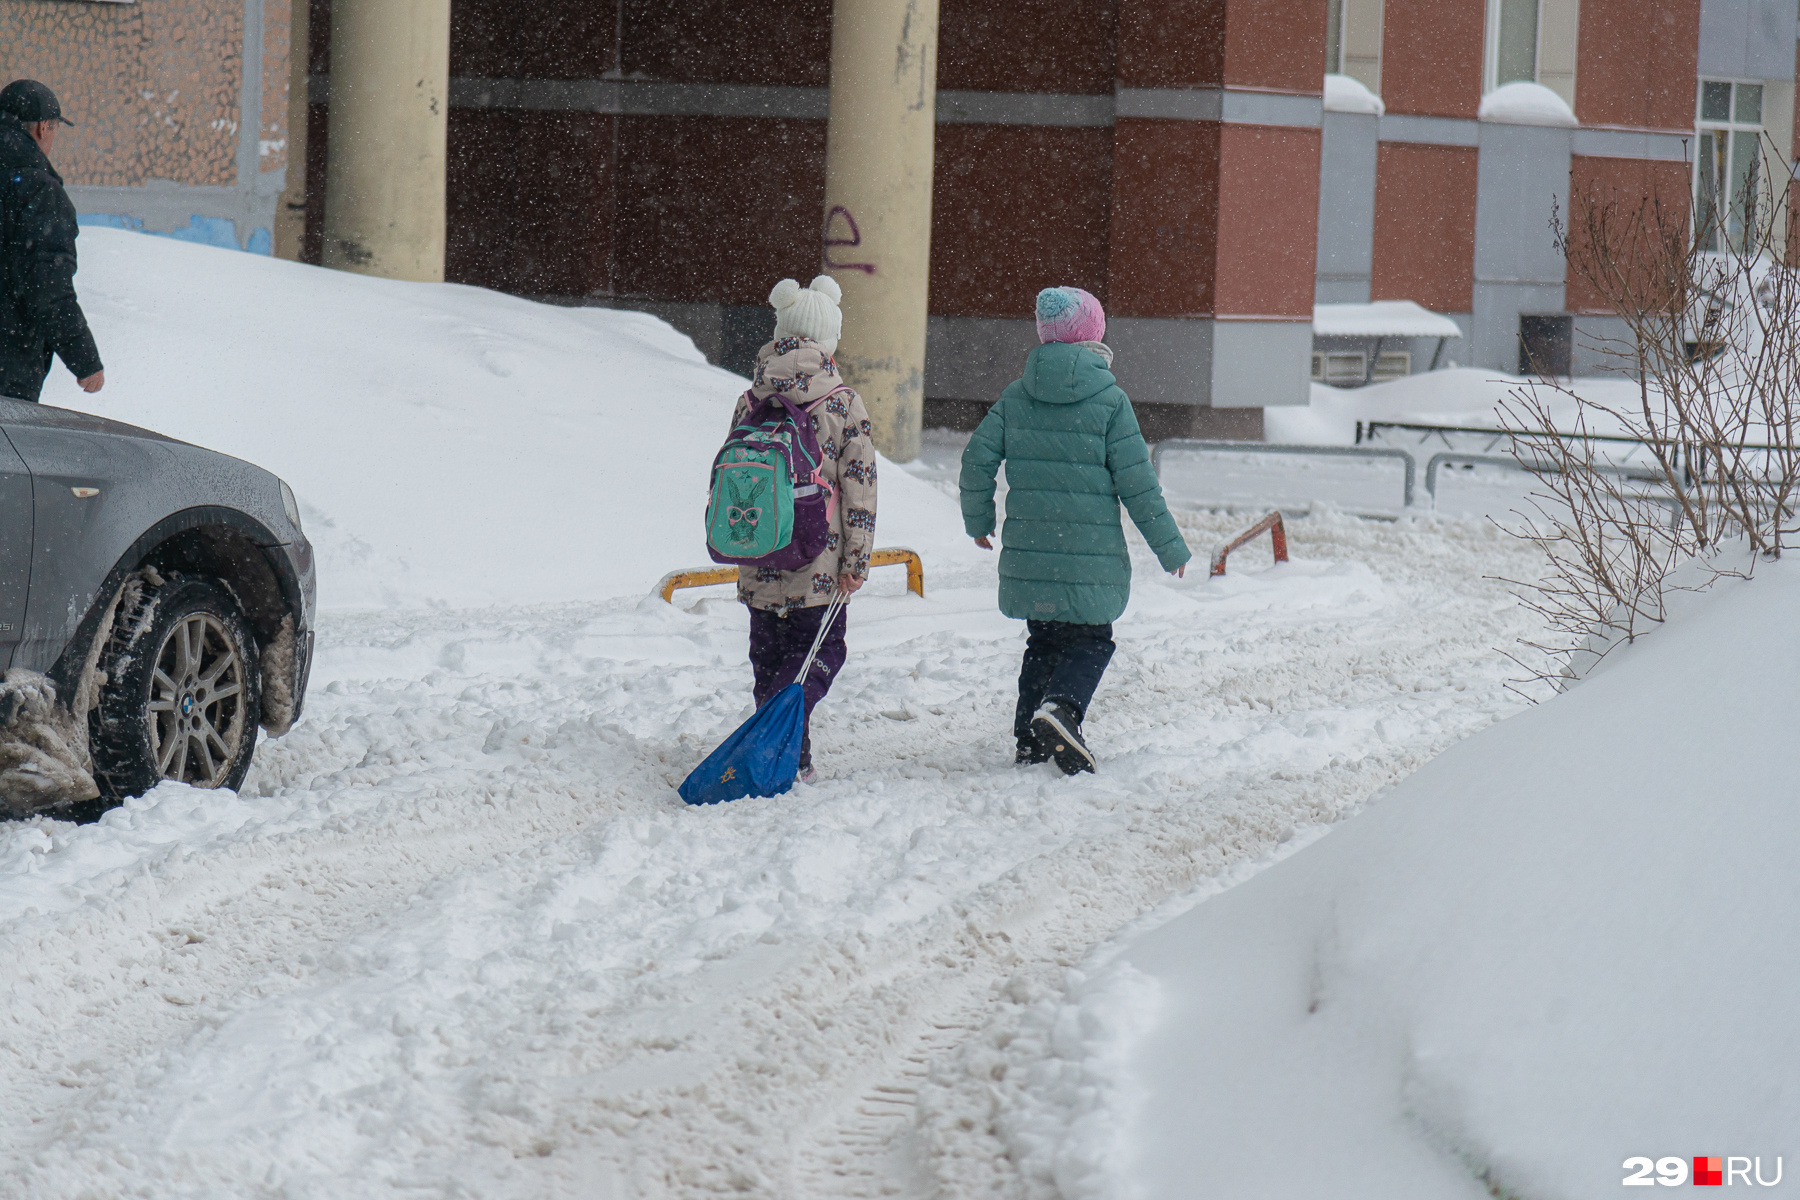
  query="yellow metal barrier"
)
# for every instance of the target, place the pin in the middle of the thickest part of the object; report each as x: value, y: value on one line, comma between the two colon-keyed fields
x: 890, y: 557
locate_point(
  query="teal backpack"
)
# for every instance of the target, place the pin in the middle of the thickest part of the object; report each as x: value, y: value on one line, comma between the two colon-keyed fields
x: 770, y: 503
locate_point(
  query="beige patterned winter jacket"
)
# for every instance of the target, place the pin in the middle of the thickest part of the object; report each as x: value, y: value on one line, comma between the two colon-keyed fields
x: 800, y: 368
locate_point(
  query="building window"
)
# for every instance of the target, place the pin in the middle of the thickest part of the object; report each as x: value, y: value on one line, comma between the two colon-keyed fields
x: 1727, y: 163
x: 1391, y: 364
x: 1334, y: 37
x: 1344, y: 368
x: 1512, y: 42
x: 1350, y: 368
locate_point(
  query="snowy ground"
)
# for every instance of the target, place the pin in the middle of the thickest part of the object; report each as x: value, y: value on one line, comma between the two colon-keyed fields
x: 460, y: 938
x: 460, y: 934
x: 1558, y: 955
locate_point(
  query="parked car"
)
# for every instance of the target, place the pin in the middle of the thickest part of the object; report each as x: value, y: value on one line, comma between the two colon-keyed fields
x: 167, y: 592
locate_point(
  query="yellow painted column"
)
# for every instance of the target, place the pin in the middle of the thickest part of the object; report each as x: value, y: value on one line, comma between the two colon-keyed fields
x: 390, y: 103
x: 878, y: 166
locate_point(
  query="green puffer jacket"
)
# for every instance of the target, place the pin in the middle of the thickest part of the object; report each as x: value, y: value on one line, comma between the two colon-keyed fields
x: 1073, y: 452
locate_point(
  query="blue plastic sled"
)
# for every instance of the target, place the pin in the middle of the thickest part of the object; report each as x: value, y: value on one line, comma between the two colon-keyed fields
x: 762, y: 757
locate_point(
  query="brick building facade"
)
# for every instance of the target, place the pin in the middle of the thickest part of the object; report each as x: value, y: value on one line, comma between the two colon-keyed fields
x: 1442, y: 201
x: 674, y: 160
x: 1176, y: 157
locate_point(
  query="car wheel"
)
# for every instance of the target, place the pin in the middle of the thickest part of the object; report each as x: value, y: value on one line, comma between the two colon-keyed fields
x: 183, y: 690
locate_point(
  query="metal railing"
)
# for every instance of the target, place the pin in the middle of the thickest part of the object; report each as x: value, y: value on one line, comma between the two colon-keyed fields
x: 1473, y: 458
x: 891, y: 556
x: 1271, y: 525
x: 1365, y: 452
x: 1637, y: 474
x: 1693, y: 458
x: 1686, y: 456
x: 1640, y: 474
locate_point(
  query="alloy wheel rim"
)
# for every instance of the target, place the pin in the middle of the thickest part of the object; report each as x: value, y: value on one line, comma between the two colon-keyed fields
x: 197, y: 702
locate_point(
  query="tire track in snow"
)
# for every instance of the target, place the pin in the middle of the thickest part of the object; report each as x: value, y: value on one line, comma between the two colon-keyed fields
x: 1060, y: 905
x: 252, y: 912
x: 694, y: 1002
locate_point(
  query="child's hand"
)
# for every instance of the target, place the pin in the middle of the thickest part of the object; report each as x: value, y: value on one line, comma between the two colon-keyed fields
x: 849, y: 583
x: 1180, y: 572
x: 983, y: 542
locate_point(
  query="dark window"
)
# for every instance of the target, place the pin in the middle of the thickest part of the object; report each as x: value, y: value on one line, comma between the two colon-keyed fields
x: 1545, y: 341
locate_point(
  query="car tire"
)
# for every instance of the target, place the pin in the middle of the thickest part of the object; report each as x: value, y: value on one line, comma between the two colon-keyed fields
x: 182, y: 698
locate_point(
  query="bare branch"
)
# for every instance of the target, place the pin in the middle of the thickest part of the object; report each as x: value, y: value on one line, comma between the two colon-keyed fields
x: 1712, y: 321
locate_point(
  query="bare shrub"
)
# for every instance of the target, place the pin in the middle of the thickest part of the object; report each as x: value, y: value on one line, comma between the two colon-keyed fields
x: 1705, y: 454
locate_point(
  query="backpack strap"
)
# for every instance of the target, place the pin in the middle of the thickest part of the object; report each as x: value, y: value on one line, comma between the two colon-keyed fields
x: 807, y: 440
x: 831, y: 492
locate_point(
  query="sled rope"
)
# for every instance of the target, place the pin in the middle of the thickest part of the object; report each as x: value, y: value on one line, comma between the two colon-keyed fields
x: 838, y: 599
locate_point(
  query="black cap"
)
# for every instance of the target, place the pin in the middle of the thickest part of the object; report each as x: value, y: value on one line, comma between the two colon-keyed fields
x: 30, y: 101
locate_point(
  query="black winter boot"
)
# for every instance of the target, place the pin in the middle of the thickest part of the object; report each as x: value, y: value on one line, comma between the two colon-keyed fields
x: 1031, y: 752
x: 1058, y: 731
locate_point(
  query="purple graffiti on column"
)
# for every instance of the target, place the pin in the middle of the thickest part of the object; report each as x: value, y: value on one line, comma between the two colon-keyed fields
x: 832, y: 238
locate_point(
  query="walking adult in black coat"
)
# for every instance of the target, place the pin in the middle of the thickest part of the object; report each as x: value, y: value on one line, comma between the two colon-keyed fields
x: 39, y: 315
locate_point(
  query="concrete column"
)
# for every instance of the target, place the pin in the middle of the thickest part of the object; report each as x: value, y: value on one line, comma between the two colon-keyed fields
x: 290, y: 207
x: 390, y: 93
x: 878, y: 168
x: 1351, y: 137
x: 1522, y: 180
x: 1346, y: 206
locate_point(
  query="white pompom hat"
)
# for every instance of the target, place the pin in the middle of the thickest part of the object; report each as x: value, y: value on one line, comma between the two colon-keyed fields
x: 809, y: 312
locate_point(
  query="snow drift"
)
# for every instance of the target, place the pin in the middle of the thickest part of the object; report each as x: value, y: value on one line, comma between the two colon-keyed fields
x: 449, y: 445
x: 1567, y: 941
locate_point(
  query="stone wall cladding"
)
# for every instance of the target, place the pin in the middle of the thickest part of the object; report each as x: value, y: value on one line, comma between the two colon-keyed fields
x: 1424, y: 243
x: 531, y: 208
x: 727, y: 41
x: 272, y: 139
x: 153, y: 86
x: 1622, y: 181
x: 716, y: 208
x: 1431, y: 57
x: 502, y: 39
x: 1637, y: 63
x: 1015, y: 209
x: 1066, y: 46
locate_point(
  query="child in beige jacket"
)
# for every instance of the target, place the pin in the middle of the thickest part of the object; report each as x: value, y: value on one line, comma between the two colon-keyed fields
x: 787, y: 606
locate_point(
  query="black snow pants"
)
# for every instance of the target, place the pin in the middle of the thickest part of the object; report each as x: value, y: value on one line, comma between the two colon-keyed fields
x: 1064, y: 662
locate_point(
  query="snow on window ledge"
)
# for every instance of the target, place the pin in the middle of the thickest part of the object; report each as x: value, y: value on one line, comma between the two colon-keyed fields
x: 1526, y: 104
x: 1346, y: 95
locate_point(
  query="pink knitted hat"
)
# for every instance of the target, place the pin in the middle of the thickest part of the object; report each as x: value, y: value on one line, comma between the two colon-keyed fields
x: 1068, y: 314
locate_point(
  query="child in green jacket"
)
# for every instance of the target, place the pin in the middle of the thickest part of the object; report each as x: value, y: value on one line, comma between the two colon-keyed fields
x: 1073, y: 453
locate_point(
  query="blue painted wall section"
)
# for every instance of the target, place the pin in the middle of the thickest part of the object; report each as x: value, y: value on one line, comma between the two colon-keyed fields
x: 204, y: 231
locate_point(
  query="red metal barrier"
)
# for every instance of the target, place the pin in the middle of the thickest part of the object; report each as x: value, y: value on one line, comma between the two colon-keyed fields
x: 1277, y: 534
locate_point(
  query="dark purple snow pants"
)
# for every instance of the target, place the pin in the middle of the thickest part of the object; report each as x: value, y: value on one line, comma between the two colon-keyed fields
x: 778, y: 646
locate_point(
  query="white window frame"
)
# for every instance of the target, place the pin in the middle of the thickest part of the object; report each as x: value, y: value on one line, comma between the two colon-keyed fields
x: 1398, y: 365
x: 1340, y: 367
x: 1730, y: 126
x: 1490, y: 59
